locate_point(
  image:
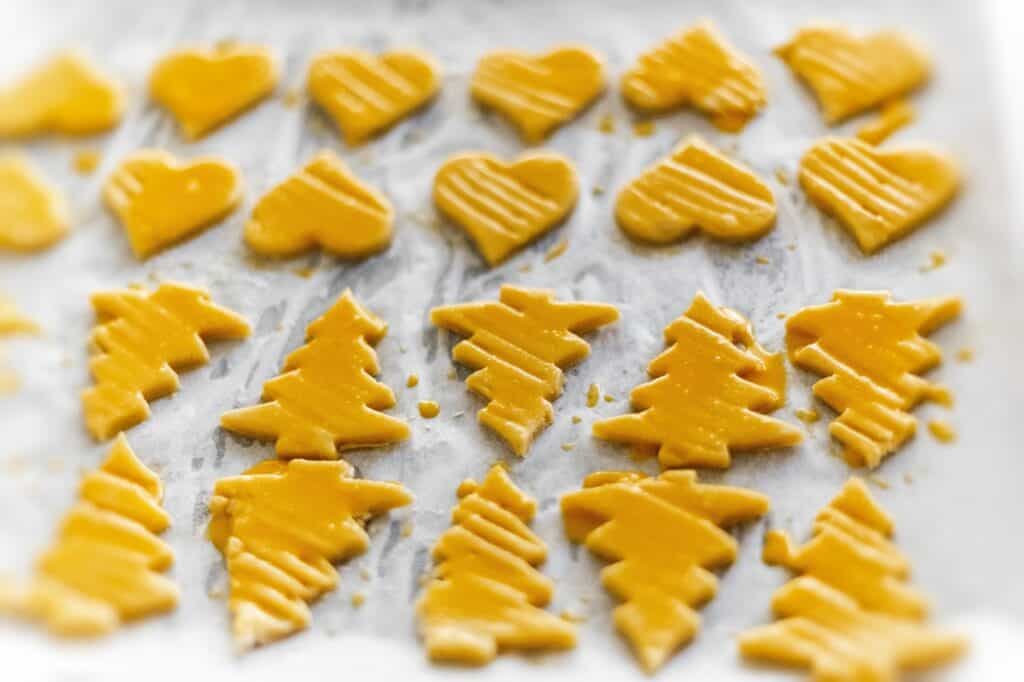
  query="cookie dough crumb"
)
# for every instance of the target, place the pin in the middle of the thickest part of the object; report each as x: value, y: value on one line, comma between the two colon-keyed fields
x: 556, y: 250
x: 942, y: 431
x: 412, y: 380
x: 606, y: 124
x: 598, y: 190
x: 807, y: 415
x: 292, y: 97
x: 85, y: 161
x: 965, y: 354
x: 609, y: 398
x: 452, y: 374
x: 762, y: 260
x: 936, y: 260
x: 881, y: 483
x: 782, y: 176
x: 525, y: 268
x: 358, y: 599
x: 576, y: 419
x: 305, y: 272
x: 571, y: 616
x: 429, y: 409
x: 593, y: 393
x: 568, y: 447
x: 407, y: 529
x: 781, y: 316
x: 643, y: 128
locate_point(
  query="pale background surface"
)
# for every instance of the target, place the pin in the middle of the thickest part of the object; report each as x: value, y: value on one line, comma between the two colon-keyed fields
x: 958, y: 519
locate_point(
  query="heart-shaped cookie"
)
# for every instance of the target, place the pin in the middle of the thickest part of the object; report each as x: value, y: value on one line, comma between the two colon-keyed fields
x: 325, y: 204
x: 33, y: 214
x: 695, y: 187
x: 160, y: 201
x: 503, y: 206
x: 366, y: 94
x: 205, y: 87
x: 66, y: 95
x: 539, y: 93
x: 879, y: 195
x: 697, y: 66
x: 850, y: 74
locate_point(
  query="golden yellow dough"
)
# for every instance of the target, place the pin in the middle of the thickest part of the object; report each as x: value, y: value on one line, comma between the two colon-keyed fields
x: 871, y: 351
x: 140, y: 339
x: 850, y: 74
x: 105, y: 567
x: 204, y: 87
x: 696, y: 187
x: 519, y: 346
x: 161, y: 201
x: 326, y: 398
x: 696, y: 66
x: 662, y: 536
x: 12, y: 321
x: 322, y: 204
x: 366, y: 94
x: 892, y: 116
x: 34, y: 213
x: 850, y: 616
x: 709, y: 394
x: 538, y: 93
x: 504, y: 206
x: 879, y: 195
x: 280, y: 526
x: 485, y: 594
x: 67, y: 94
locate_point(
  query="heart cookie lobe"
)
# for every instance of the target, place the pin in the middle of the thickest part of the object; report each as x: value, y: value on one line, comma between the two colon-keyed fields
x: 322, y: 204
x: 367, y: 94
x: 68, y: 95
x: 879, y: 195
x: 206, y: 87
x: 850, y: 74
x: 697, y: 66
x: 504, y: 206
x: 696, y: 187
x: 539, y: 93
x: 160, y: 201
x: 35, y: 215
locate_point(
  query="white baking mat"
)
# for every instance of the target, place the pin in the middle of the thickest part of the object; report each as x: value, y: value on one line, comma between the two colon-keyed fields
x: 957, y: 507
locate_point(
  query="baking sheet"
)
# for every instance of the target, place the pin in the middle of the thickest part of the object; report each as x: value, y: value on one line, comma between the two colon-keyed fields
x: 957, y: 507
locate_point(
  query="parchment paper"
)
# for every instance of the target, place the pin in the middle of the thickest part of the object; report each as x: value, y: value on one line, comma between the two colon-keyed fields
x: 957, y: 507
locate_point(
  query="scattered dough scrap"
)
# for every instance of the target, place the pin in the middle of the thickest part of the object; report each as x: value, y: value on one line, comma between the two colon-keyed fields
x: 942, y: 430
x: 504, y: 206
x: 86, y: 160
x: 697, y: 187
x: 709, y: 394
x: 322, y: 204
x: 428, y: 409
x: 366, y: 94
x: 105, y: 567
x: 160, y: 201
x: 871, y: 352
x: 35, y: 214
x: 663, y: 535
x: 879, y: 195
x: 697, y: 66
x: 280, y: 526
x: 206, y: 87
x: 67, y: 95
x: 850, y: 74
x: 485, y: 594
x: 518, y: 347
x: 139, y: 341
x: 539, y: 93
x: 11, y: 322
x: 850, y: 616
x: 894, y: 115
x: 326, y: 399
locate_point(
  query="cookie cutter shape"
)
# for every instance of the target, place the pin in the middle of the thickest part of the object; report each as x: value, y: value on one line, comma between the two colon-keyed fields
x: 67, y: 94
x: 879, y: 195
x: 326, y: 399
x: 519, y: 346
x: 850, y: 74
x: 35, y: 215
x: 205, y: 87
x: 366, y: 94
x: 662, y: 535
x: 486, y: 593
x: 696, y: 187
x: 504, y: 206
x: 710, y: 394
x: 139, y: 341
x: 324, y: 204
x: 872, y: 352
x: 850, y: 616
x: 538, y: 93
x: 105, y: 567
x: 697, y: 66
x: 281, y: 526
x: 160, y: 201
